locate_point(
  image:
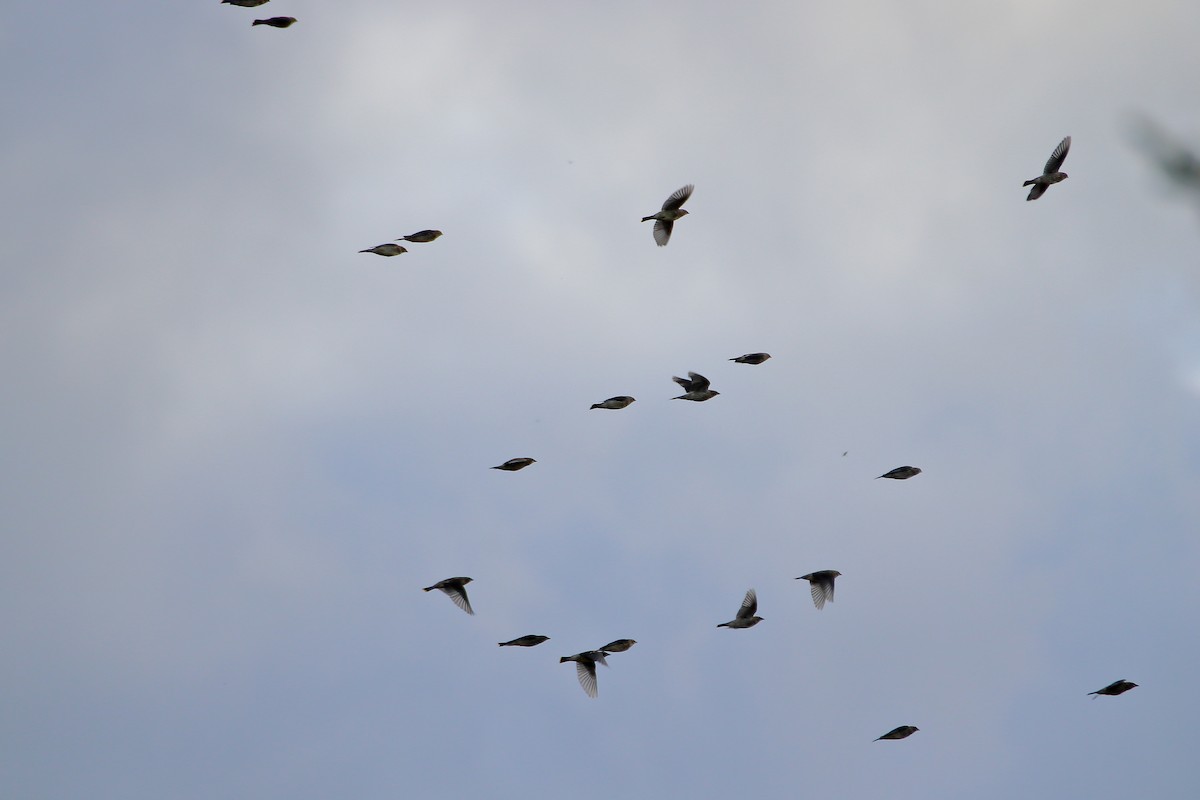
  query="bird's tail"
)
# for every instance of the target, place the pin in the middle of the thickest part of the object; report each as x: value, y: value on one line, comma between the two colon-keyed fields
x: 427, y: 589
x: 1029, y: 183
x: 647, y: 219
x: 594, y: 405
x: 263, y: 22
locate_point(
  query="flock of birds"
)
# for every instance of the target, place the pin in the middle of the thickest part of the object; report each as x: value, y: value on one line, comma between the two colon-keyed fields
x: 696, y: 388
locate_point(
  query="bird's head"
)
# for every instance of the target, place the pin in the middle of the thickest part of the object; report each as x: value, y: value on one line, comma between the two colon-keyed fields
x: 683, y: 212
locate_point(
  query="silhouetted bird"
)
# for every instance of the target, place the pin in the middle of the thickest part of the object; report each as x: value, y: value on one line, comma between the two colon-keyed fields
x: 1115, y: 688
x: 745, y: 616
x: 275, y: 22
x: 585, y: 668
x: 514, y: 464
x: 752, y: 358
x: 1050, y: 173
x: 388, y: 249
x: 619, y: 646
x: 620, y: 401
x: 456, y: 590
x: 900, y: 473
x: 664, y: 220
x: 903, y: 732
x: 525, y: 641
x: 420, y: 236
x: 695, y: 387
x: 821, y: 585
x: 246, y: 3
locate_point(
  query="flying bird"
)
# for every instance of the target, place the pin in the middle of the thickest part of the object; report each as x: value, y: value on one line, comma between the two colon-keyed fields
x: 420, y: 236
x: 456, y: 590
x: 752, y: 358
x: 275, y: 22
x: 620, y: 401
x: 388, y: 249
x: 585, y: 668
x: 514, y: 464
x: 1115, y: 688
x: 745, y: 616
x: 903, y: 732
x: 900, y: 473
x: 695, y: 387
x: 664, y: 220
x: 619, y: 646
x: 246, y: 3
x: 821, y: 584
x: 1050, y: 173
x: 525, y: 641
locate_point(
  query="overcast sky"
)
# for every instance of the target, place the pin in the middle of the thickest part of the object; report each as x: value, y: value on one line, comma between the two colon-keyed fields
x: 235, y: 449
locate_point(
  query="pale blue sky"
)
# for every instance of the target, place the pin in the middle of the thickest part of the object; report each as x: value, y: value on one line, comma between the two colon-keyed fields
x: 236, y: 449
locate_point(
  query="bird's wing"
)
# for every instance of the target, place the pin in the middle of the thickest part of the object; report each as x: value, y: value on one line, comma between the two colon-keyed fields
x: 676, y: 200
x: 749, y: 606
x: 662, y: 231
x: 817, y: 587
x: 586, y: 670
x: 1037, y: 191
x: 1058, y: 157
x: 684, y: 382
x: 459, y: 596
x: 699, y: 383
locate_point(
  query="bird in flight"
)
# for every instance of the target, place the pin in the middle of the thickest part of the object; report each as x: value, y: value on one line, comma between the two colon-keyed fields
x: 745, y: 616
x: 900, y: 473
x: 903, y: 732
x: 821, y: 584
x: 672, y: 210
x: 275, y: 22
x: 514, y: 464
x: 1115, y: 688
x: 620, y: 401
x: 695, y: 387
x: 388, y: 249
x: 420, y: 236
x: 585, y: 668
x: 246, y: 3
x: 752, y: 358
x: 1050, y: 173
x: 525, y: 641
x: 456, y: 590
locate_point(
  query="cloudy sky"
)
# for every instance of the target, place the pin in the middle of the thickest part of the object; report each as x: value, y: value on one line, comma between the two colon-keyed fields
x: 235, y: 449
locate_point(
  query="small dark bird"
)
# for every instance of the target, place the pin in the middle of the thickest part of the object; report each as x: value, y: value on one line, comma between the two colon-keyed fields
x: 525, y: 641
x: 585, y: 668
x: 664, y: 220
x: 695, y: 387
x: 903, y: 732
x: 1115, y: 688
x: 900, y: 473
x: 388, y: 249
x: 745, y: 616
x: 1050, y: 173
x: 752, y: 358
x: 246, y: 3
x: 620, y: 401
x: 275, y: 22
x: 821, y: 585
x: 420, y: 236
x: 619, y: 646
x: 456, y: 590
x: 514, y: 464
